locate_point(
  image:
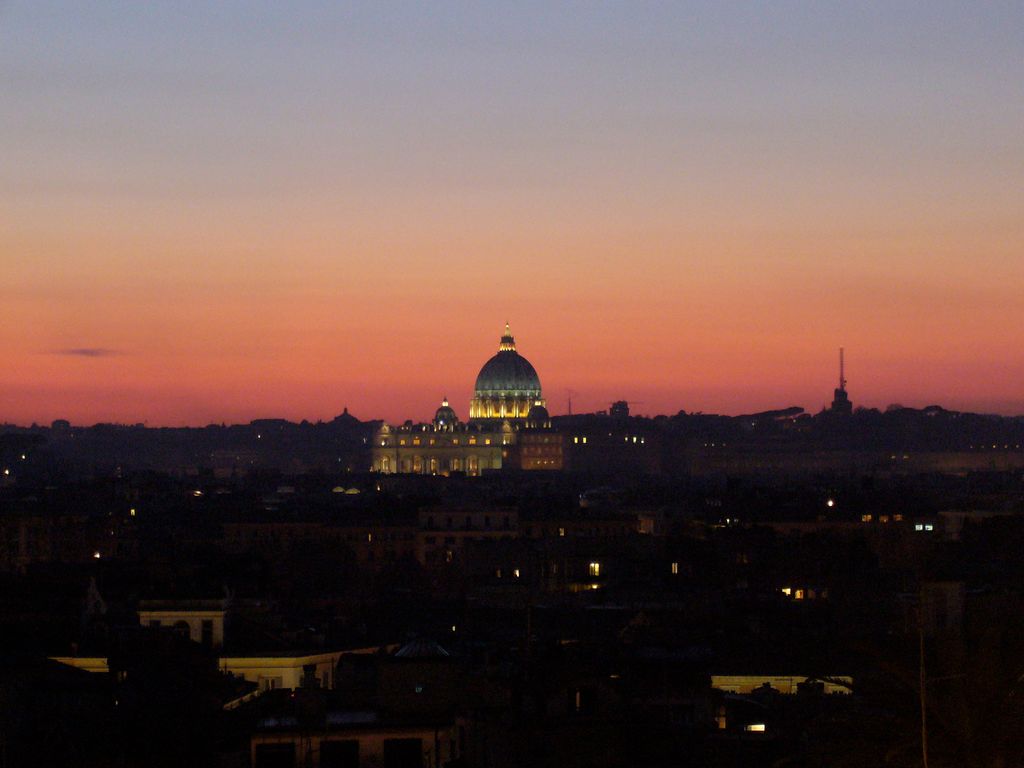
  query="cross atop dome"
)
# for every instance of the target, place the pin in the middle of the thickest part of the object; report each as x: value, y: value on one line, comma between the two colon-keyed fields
x: 508, y: 342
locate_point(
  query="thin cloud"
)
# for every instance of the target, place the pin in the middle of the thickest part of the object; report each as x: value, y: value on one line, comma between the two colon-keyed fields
x: 87, y: 352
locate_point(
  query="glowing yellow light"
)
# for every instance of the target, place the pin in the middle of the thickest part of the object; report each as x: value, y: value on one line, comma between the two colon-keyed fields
x: 595, y: 569
x: 755, y: 727
x: 830, y: 503
x: 96, y: 555
x: 787, y: 591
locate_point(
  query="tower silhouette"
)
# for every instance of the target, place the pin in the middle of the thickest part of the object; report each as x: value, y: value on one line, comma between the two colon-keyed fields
x: 840, y: 400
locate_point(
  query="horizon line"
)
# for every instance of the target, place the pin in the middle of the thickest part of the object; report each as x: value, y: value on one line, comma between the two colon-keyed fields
x: 803, y: 411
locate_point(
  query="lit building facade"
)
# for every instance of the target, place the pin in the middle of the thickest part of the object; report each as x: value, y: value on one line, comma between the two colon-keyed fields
x: 435, y: 449
x: 506, y: 416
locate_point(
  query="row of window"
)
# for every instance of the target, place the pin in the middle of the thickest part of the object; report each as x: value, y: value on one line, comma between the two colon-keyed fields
x: 799, y: 593
x: 468, y: 522
x: 417, y: 465
x: 431, y: 540
x: 593, y: 570
x: 631, y: 439
x: 433, y: 441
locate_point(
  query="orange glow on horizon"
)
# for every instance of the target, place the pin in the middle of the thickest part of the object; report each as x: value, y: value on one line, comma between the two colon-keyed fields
x: 341, y: 206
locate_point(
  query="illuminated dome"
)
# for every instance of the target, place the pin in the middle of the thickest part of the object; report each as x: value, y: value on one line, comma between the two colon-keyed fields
x: 507, y: 385
x: 507, y: 372
x: 444, y: 417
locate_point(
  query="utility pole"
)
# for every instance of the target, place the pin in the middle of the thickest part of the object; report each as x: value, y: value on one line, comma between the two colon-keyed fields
x: 922, y: 681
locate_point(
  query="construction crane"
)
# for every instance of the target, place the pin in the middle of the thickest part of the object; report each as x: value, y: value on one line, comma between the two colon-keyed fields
x: 570, y: 393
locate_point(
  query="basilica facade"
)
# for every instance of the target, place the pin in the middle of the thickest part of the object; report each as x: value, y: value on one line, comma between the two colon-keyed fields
x: 508, y: 427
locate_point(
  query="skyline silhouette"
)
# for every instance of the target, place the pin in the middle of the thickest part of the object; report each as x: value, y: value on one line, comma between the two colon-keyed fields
x: 583, y: 405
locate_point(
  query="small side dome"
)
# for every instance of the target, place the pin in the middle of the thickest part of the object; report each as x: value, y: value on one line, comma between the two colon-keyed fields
x: 538, y: 413
x: 538, y: 417
x: 445, y: 417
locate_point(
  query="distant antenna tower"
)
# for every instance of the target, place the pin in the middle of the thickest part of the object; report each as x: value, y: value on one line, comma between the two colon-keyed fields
x: 841, y: 401
x: 570, y: 393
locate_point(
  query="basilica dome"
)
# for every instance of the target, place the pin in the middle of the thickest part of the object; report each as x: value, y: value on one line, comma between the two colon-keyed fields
x: 506, y: 373
x: 507, y: 385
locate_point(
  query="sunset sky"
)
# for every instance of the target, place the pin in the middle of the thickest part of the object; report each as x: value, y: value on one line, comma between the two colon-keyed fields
x: 220, y: 211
